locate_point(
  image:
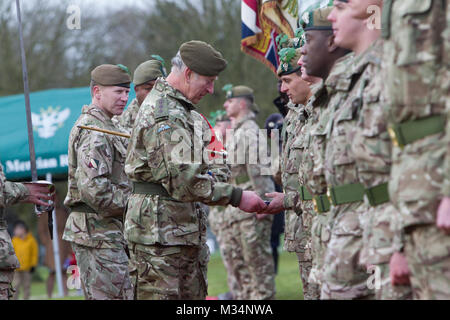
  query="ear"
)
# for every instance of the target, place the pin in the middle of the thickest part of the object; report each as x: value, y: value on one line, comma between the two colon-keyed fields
x: 97, y: 92
x: 331, y: 45
x: 187, y: 75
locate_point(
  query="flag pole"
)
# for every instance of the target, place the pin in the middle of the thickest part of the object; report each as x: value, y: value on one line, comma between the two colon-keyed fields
x: 26, y: 89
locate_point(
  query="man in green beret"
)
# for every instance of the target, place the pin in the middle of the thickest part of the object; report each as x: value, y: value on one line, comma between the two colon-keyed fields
x: 98, y: 189
x: 144, y: 79
x: 295, y: 200
x: 251, y: 258
x: 165, y: 225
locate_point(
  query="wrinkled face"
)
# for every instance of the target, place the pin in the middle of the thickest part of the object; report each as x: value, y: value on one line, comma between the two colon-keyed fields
x: 111, y: 99
x: 143, y: 90
x: 233, y: 107
x: 346, y: 28
x: 363, y: 9
x: 198, y: 86
x: 295, y: 87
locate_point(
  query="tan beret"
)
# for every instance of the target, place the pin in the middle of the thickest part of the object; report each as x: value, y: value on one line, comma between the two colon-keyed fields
x: 202, y: 58
x: 111, y: 75
x: 147, y: 71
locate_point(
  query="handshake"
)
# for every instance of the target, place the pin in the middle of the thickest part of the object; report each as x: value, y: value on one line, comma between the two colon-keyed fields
x: 252, y: 203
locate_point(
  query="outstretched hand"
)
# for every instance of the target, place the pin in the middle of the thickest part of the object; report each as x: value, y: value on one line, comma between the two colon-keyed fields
x: 37, y: 192
x: 399, y: 270
x: 443, y: 215
x: 276, y: 205
x: 251, y: 202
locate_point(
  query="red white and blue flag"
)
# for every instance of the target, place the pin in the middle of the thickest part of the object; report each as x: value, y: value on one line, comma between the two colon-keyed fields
x: 258, y: 37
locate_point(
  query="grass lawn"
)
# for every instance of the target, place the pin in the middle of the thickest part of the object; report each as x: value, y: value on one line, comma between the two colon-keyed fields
x: 288, y: 283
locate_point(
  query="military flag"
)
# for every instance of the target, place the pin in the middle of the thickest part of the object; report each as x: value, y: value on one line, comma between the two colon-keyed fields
x: 258, y: 36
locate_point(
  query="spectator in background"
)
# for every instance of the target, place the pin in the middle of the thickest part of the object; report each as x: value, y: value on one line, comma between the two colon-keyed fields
x: 26, y: 248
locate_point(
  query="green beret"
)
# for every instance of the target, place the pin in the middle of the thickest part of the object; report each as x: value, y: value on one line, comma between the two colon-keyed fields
x: 241, y: 92
x: 147, y: 71
x: 317, y: 19
x: 288, y: 61
x: 283, y: 41
x: 202, y: 58
x: 111, y: 75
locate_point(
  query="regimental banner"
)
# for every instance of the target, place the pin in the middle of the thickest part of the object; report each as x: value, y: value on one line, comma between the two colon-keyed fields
x: 281, y: 15
x: 258, y: 36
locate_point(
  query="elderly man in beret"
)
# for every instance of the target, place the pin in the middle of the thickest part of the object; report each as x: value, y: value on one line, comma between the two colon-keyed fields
x: 98, y: 189
x: 165, y: 225
x: 144, y: 79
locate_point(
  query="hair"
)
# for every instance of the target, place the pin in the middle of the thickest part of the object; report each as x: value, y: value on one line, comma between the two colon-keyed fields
x: 92, y: 85
x: 177, y: 63
x: 299, y: 72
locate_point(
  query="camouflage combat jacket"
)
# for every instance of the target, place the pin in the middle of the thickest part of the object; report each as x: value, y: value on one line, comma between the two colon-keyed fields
x: 415, y: 70
x: 96, y: 179
x: 290, y: 160
x: 161, y: 152
x: 10, y: 193
x: 371, y: 147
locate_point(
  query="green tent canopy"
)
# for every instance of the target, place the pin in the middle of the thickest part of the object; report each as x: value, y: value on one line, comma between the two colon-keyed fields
x: 54, y: 112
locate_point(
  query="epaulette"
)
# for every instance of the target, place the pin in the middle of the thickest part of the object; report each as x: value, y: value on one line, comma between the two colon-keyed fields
x: 161, y: 110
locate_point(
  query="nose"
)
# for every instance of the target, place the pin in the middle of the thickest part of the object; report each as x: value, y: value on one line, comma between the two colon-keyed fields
x: 331, y: 16
x: 124, y: 96
x: 283, y: 88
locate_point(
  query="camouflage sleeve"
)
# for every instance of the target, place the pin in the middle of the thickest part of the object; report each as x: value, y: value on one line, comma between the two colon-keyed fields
x: 10, y: 192
x: 95, y: 161
x: 184, y: 179
x: 220, y: 173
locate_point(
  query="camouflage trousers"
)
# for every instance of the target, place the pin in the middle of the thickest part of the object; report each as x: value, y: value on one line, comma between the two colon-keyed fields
x: 224, y: 238
x: 384, y: 290
x: 8, y: 262
x: 104, y: 273
x: 427, y: 249
x: 6, y: 289
x: 251, y: 259
x: 320, y: 236
x: 343, y: 275
x: 170, y: 272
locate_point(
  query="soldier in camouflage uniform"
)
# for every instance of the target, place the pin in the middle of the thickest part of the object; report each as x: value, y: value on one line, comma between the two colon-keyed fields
x: 165, y: 226
x: 319, y: 56
x: 12, y: 193
x: 296, y: 200
x: 144, y: 79
x: 251, y: 259
x: 416, y: 70
x: 98, y: 189
x: 370, y: 146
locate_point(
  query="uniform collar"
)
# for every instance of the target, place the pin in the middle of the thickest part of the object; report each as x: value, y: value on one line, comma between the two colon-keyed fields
x: 163, y: 86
